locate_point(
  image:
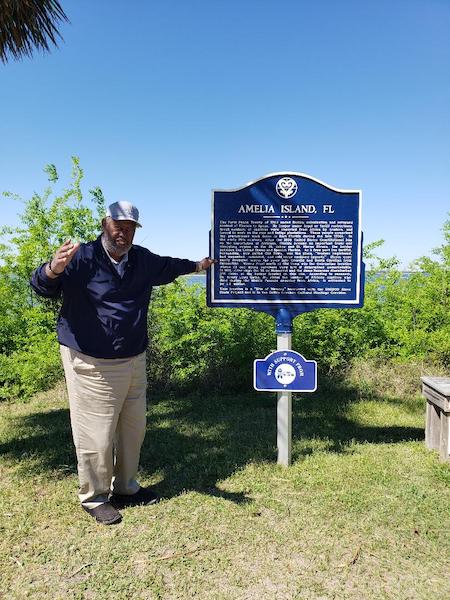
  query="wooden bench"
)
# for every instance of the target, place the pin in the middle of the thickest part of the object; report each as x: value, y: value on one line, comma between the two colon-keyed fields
x: 437, y: 392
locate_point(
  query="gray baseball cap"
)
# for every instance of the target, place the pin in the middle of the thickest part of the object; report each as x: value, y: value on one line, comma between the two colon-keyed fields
x: 123, y: 211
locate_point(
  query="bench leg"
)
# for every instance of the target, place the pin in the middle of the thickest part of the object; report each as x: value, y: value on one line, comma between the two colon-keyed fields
x: 432, y: 427
x: 444, y: 437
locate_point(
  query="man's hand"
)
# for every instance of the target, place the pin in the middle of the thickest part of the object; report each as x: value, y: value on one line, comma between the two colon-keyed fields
x: 62, y: 258
x: 205, y: 263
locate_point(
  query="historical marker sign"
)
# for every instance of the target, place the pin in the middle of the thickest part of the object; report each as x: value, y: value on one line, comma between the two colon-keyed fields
x: 286, y: 240
x: 286, y: 244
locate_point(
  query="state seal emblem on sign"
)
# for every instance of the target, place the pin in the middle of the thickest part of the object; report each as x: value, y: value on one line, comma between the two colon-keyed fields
x: 286, y: 187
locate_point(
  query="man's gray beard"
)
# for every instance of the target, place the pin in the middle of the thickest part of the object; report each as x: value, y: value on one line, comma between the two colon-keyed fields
x: 111, y: 247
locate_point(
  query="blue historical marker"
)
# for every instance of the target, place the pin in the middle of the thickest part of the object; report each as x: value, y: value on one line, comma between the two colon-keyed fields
x: 286, y: 240
x: 286, y: 244
x: 285, y: 370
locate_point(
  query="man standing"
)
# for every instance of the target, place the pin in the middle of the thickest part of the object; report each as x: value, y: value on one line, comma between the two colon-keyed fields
x: 102, y: 330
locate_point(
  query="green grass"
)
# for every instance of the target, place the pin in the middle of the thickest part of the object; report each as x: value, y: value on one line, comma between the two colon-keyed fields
x: 362, y: 513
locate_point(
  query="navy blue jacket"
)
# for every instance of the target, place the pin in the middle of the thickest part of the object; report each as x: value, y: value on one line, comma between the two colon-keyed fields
x: 102, y: 314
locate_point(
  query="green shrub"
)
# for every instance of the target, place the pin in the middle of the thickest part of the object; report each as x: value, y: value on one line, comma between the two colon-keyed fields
x: 192, y: 345
x: 29, y: 357
x: 36, y: 367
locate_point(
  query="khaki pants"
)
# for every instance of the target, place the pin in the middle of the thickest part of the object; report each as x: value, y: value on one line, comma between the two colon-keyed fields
x: 107, y: 399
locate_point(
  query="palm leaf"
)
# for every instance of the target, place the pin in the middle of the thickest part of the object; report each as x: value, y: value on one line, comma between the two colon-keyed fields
x: 28, y: 24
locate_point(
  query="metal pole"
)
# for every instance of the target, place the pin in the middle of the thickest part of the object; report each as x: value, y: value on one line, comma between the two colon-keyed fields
x: 284, y: 399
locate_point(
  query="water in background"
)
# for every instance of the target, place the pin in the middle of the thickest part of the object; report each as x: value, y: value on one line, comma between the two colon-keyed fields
x: 195, y: 279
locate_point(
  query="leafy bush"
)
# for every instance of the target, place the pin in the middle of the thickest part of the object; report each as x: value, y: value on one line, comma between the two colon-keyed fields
x: 193, y: 345
x: 29, y: 357
x: 36, y: 367
x: 415, y: 311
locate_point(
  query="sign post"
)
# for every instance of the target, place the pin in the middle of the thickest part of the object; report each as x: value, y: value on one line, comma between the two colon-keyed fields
x: 286, y: 244
x: 285, y: 371
x: 284, y: 407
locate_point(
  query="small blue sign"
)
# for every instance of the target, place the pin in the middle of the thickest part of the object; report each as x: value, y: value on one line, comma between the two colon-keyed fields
x: 285, y: 370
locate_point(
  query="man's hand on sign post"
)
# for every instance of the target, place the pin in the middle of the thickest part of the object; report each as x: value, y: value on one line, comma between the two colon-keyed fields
x: 205, y: 263
x: 62, y: 258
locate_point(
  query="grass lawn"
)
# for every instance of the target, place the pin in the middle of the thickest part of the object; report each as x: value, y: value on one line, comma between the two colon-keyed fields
x: 362, y: 513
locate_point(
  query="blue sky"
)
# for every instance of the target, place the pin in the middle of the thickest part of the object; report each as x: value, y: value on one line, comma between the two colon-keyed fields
x: 165, y: 101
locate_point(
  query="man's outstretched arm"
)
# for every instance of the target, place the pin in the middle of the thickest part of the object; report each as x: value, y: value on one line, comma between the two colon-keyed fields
x: 165, y: 269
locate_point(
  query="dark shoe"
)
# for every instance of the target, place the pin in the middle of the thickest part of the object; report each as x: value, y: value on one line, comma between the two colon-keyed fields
x: 142, y: 496
x: 104, y: 513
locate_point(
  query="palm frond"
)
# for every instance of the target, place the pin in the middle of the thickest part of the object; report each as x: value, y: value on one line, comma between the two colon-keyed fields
x: 26, y: 25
